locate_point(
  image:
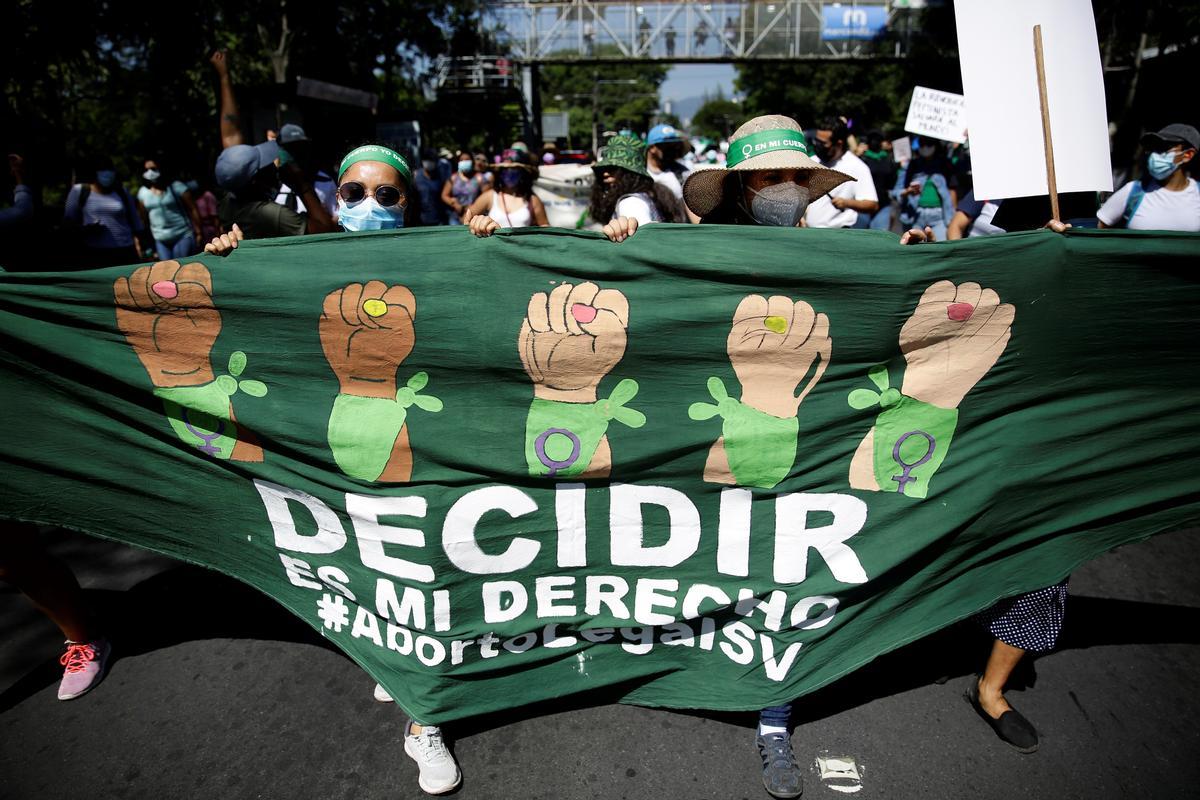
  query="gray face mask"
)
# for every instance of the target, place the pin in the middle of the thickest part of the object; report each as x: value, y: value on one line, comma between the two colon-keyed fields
x: 782, y: 205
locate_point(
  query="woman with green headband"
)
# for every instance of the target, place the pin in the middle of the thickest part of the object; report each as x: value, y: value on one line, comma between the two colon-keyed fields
x: 769, y: 179
x: 373, y: 194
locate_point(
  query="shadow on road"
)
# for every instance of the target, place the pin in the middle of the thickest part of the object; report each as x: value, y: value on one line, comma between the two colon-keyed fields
x: 166, y: 610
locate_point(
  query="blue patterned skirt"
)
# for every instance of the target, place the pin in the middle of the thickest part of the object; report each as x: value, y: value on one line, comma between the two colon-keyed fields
x: 1030, y: 621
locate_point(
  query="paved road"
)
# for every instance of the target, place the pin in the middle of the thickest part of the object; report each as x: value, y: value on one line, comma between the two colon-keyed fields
x: 242, y: 701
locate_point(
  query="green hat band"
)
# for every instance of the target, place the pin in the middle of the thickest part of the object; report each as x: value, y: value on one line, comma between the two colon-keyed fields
x: 625, y: 152
x: 374, y: 152
x: 766, y: 142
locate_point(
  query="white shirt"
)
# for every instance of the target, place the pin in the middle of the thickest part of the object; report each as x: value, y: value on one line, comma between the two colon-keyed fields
x: 982, y: 225
x: 673, y: 177
x: 822, y: 213
x: 1160, y: 209
x: 326, y: 190
x: 638, y: 206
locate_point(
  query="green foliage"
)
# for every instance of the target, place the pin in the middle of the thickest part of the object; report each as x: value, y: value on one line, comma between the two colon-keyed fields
x: 132, y: 79
x: 619, y: 105
x: 874, y: 94
x: 717, y: 117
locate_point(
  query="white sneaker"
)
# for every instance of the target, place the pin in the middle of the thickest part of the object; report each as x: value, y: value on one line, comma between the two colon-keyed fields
x: 437, y: 772
x: 381, y: 694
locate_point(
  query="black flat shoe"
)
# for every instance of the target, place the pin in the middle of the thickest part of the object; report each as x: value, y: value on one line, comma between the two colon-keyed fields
x: 1013, y: 728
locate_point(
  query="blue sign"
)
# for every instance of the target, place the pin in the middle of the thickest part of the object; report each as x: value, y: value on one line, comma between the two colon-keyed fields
x: 849, y: 21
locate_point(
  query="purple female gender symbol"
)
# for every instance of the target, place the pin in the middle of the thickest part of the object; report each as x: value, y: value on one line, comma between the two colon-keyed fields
x: 539, y: 447
x: 208, y: 448
x: 905, y: 478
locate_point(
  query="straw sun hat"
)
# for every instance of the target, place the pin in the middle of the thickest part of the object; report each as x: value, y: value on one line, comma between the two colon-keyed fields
x: 768, y: 142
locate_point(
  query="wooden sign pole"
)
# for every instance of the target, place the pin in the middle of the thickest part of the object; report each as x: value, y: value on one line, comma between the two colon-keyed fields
x: 1051, y: 181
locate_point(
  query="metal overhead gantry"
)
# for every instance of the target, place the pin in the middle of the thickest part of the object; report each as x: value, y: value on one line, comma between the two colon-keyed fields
x: 533, y: 31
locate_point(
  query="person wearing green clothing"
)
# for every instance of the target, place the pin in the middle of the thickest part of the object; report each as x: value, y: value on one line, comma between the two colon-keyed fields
x: 927, y: 189
x: 168, y: 210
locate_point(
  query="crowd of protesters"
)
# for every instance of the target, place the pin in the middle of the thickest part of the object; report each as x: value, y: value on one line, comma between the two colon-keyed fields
x: 773, y: 171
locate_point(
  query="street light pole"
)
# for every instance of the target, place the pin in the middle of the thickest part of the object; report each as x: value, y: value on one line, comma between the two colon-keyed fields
x: 595, y: 113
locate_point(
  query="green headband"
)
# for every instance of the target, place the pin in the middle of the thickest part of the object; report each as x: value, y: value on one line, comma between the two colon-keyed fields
x: 374, y: 152
x: 766, y: 142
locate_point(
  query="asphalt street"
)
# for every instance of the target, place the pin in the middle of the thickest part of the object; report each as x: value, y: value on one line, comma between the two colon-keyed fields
x: 236, y: 699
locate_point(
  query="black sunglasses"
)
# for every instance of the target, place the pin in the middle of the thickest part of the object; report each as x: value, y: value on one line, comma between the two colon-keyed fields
x: 386, y: 195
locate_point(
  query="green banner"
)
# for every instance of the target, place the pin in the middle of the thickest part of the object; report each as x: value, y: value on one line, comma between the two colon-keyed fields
x: 709, y: 467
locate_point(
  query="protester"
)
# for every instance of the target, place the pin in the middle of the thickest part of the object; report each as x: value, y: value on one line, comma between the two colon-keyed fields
x: 1168, y: 199
x: 665, y: 147
x: 770, y: 179
x: 251, y: 179
x: 925, y: 189
x: 294, y: 145
x: 462, y: 188
x: 512, y: 204
x: 883, y: 175
x: 106, y: 218
x: 52, y: 588
x: 428, y: 188
x: 168, y: 210
x: 846, y: 200
x: 973, y: 218
x: 623, y: 190
x: 207, y: 207
x: 373, y: 194
x: 21, y: 210
x: 1027, y: 623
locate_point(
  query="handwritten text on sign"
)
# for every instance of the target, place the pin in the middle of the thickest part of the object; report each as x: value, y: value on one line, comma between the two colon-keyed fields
x: 941, y: 115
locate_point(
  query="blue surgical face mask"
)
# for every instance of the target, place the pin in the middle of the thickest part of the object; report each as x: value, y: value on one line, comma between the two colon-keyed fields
x: 367, y: 215
x: 1162, y: 165
x: 466, y: 167
x: 106, y: 177
x: 510, y: 178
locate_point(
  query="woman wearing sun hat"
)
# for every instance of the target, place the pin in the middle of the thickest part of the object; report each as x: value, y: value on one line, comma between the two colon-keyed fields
x: 769, y: 177
x: 511, y: 202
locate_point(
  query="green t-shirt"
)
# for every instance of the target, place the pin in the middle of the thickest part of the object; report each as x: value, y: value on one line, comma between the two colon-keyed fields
x: 930, y: 196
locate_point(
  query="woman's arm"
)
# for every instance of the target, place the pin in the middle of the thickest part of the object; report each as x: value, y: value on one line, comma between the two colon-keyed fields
x: 448, y: 197
x: 193, y: 214
x: 482, y: 204
x: 538, y: 211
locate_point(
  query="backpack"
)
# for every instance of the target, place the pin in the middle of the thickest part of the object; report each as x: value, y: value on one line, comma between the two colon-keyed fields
x: 1136, y: 195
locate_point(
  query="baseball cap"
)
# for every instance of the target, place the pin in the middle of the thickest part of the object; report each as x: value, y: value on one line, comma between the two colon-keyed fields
x: 1170, y: 136
x: 663, y: 133
x: 237, y: 165
x: 290, y: 134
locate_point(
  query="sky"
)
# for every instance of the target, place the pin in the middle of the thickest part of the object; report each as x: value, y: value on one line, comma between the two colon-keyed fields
x: 693, y: 80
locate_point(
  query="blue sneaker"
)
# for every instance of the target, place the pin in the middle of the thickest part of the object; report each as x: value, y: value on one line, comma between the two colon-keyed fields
x: 781, y: 773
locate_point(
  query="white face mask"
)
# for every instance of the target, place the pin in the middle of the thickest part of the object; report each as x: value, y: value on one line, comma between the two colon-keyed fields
x: 781, y: 205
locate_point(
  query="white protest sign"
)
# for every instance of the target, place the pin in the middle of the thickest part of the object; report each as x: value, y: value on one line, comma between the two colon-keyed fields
x: 941, y: 115
x: 902, y: 150
x: 999, y: 72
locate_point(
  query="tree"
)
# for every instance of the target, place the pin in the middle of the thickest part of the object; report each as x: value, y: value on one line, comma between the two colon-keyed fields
x: 717, y: 117
x: 620, y: 105
x: 874, y: 93
x: 132, y: 79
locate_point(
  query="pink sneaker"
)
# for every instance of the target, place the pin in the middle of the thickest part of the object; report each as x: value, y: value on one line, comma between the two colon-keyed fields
x: 85, y: 664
